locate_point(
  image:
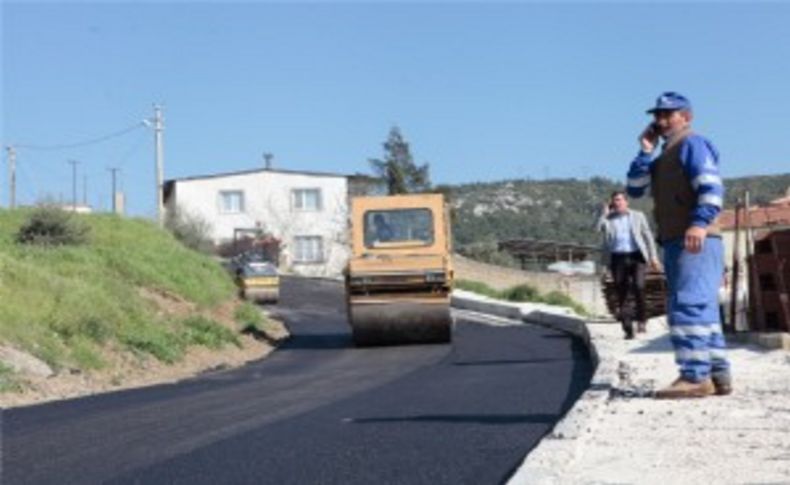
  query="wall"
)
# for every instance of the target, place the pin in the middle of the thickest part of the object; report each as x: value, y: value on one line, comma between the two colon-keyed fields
x: 584, y: 289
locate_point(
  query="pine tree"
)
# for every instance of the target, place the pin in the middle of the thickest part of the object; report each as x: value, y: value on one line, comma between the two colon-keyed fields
x: 398, y: 170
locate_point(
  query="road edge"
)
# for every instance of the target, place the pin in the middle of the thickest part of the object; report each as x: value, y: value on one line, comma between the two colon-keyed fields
x: 563, y: 439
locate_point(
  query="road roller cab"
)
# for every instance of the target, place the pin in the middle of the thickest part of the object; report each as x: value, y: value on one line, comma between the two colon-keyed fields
x: 399, y: 276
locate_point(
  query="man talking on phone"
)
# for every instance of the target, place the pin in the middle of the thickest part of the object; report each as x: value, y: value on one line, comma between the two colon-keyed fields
x: 628, y: 246
x: 688, y: 195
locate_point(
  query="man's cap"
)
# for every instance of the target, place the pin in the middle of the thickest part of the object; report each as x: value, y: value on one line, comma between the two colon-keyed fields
x: 671, y: 101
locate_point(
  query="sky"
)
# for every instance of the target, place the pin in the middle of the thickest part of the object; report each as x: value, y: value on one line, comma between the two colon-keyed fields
x: 481, y: 91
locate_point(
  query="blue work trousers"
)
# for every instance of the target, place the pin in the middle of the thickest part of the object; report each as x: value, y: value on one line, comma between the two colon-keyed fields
x: 693, y: 282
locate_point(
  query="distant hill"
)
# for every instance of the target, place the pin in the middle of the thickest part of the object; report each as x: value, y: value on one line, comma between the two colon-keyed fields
x: 561, y: 209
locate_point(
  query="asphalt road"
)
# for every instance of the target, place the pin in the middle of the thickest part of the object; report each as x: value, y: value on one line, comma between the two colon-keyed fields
x: 317, y: 411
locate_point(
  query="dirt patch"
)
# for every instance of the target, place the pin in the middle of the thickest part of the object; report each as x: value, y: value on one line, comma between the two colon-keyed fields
x: 126, y: 370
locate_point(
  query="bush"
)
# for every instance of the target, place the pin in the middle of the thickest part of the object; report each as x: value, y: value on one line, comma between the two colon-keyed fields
x: 204, y: 331
x: 52, y: 226
x: 561, y: 299
x: 192, y: 230
x: 521, y: 293
x: 248, y: 317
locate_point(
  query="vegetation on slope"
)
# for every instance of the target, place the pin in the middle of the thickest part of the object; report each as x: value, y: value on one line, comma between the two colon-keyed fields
x: 68, y: 304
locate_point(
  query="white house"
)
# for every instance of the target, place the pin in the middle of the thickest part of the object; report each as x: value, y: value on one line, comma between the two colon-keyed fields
x: 307, y: 211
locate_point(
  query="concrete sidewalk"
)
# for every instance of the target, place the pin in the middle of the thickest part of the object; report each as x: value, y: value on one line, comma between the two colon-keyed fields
x: 617, y: 433
x: 615, y: 436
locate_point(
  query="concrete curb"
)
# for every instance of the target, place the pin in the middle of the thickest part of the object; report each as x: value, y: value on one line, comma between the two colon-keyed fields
x: 563, y: 440
x: 557, y: 318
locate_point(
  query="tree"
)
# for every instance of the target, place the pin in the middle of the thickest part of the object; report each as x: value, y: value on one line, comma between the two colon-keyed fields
x: 193, y: 230
x: 397, y: 169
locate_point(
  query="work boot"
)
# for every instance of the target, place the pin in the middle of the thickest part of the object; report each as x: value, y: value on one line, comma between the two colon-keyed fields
x: 628, y: 328
x: 641, y: 327
x: 722, y: 384
x: 682, y: 388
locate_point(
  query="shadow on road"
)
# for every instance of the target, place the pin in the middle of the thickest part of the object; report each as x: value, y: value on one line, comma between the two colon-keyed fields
x: 318, y: 341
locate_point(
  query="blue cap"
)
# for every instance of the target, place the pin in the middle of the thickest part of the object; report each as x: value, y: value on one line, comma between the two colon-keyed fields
x: 671, y: 101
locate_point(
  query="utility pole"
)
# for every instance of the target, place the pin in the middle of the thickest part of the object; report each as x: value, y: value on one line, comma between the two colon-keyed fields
x: 158, y: 129
x: 267, y: 160
x: 85, y: 190
x: 113, y: 170
x: 736, y: 269
x: 11, y: 177
x: 74, y: 184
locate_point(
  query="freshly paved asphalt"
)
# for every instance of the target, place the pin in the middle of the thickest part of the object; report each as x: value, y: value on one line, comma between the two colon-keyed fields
x: 317, y: 411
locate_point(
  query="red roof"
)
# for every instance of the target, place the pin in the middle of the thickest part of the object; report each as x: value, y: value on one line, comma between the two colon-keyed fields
x: 776, y: 214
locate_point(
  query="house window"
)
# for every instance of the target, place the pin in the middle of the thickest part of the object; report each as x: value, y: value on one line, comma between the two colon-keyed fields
x: 307, y: 199
x: 231, y: 201
x: 308, y: 249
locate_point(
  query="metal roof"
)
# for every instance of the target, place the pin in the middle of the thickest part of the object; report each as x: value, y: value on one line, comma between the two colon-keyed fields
x: 550, y: 250
x: 261, y: 170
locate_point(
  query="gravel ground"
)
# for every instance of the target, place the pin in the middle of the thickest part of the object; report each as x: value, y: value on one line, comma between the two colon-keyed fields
x: 616, y: 433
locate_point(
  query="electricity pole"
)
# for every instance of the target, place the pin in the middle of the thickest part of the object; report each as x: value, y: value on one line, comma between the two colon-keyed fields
x: 113, y: 170
x: 158, y: 129
x: 74, y: 184
x: 85, y: 190
x: 11, y: 177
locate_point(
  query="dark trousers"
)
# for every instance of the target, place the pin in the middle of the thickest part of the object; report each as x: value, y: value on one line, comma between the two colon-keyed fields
x: 628, y: 272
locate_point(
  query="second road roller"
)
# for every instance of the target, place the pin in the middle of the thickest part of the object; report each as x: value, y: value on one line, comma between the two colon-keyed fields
x: 400, y: 274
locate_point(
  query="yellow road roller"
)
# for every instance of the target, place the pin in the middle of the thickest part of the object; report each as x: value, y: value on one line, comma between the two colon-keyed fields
x: 259, y: 282
x: 399, y: 276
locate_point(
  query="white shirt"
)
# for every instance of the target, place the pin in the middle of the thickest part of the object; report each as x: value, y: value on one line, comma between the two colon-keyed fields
x: 623, y: 241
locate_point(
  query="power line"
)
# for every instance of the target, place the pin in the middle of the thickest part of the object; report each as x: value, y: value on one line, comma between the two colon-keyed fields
x: 93, y: 141
x: 133, y: 149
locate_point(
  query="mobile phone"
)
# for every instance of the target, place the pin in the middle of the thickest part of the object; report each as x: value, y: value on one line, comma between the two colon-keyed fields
x: 654, y: 128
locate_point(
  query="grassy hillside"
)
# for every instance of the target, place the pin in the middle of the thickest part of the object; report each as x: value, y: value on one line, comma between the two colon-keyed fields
x: 68, y: 305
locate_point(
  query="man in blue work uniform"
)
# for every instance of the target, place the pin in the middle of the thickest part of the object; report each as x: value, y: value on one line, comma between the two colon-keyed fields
x: 688, y: 195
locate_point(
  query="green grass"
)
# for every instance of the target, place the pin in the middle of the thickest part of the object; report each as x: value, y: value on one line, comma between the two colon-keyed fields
x: 561, y: 299
x: 249, y: 318
x: 521, y: 294
x: 64, y: 303
x: 208, y: 333
x: 477, y: 287
x: 8, y: 381
x: 86, y: 354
